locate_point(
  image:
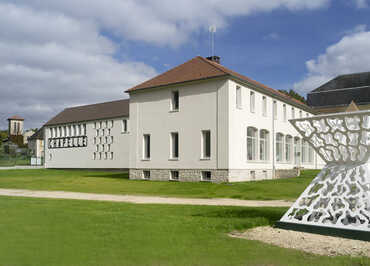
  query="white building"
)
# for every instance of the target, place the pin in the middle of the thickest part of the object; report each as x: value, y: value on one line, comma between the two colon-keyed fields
x: 198, y: 121
x: 91, y: 136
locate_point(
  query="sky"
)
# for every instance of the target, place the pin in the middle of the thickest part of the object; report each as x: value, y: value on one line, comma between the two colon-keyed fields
x: 56, y: 54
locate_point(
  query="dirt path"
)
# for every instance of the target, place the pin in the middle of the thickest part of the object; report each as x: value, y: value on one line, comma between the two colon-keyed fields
x: 311, y: 243
x: 141, y: 199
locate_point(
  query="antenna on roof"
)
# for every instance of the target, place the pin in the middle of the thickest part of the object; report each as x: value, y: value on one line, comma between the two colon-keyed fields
x: 212, y: 31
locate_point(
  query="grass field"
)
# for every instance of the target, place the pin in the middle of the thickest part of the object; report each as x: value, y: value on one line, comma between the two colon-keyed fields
x: 118, y: 183
x: 65, y: 232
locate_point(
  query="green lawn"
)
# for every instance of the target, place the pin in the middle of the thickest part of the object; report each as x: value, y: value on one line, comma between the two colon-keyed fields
x: 70, y: 232
x: 118, y: 183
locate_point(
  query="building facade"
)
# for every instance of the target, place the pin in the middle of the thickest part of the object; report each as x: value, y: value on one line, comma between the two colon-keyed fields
x: 92, y: 136
x: 197, y: 122
x: 336, y: 95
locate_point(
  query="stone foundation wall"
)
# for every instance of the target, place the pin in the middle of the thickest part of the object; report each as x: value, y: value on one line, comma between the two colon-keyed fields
x: 185, y: 175
x: 217, y: 176
x: 287, y: 173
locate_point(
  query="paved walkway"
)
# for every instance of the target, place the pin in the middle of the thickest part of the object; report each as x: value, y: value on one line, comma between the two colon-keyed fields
x: 141, y: 199
x: 17, y: 167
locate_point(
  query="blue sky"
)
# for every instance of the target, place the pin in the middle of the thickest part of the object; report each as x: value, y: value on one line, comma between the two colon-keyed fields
x: 55, y: 54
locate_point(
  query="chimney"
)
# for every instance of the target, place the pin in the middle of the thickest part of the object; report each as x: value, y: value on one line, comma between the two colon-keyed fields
x: 214, y: 58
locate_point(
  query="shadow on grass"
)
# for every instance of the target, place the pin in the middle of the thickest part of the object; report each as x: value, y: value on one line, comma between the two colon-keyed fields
x: 270, y: 214
x: 109, y: 175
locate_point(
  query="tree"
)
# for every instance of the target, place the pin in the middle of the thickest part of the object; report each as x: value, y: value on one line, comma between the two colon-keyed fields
x: 3, y: 136
x: 295, y: 95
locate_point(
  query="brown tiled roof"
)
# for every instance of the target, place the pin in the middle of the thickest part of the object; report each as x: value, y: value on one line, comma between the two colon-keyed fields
x: 16, y: 117
x: 200, y: 68
x: 92, y: 112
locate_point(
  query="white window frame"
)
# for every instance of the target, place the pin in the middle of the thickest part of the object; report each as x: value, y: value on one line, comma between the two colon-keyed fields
x: 175, y: 97
x: 252, y: 144
x: 238, y: 97
x: 124, y: 125
x: 284, y: 112
x: 146, y: 147
x: 264, y: 105
x: 204, y: 148
x: 252, y: 101
x: 280, y: 147
x: 264, y: 138
x: 275, y: 109
x: 173, y: 136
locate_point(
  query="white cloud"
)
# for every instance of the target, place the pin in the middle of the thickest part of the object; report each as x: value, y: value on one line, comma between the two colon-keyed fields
x: 54, y: 54
x: 272, y: 36
x: 361, y: 3
x: 49, y: 61
x: 165, y: 22
x: 349, y: 55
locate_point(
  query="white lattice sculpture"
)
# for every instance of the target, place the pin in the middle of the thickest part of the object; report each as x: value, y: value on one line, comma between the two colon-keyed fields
x: 339, y: 197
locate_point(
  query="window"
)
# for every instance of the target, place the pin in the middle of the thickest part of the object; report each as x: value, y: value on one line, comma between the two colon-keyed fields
x: 310, y: 154
x: 105, y: 155
x: 293, y: 113
x: 124, y: 126
x: 74, y: 132
x: 51, y: 132
x: 304, y: 151
x: 252, y: 101
x: 275, y: 109
x: 146, y: 145
x: 307, y: 115
x: 288, y: 148
x: 279, y: 147
x: 84, y: 129
x: 253, y: 175
x: 300, y: 114
x: 174, y: 175
x: 284, y: 112
x: 104, y: 124
x: 94, y: 157
x: 174, y: 145
x: 264, y: 106
x: 175, y: 101
x: 94, y: 125
x: 146, y: 174
x: 264, y: 147
x: 297, y: 150
x: 50, y: 156
x: 206, y: 176
x: 251, y: 144
x: 108, y: 147
x: 206, y: 144
x: 111, y: 123
x: 111, y: 156
x: 238, y: 97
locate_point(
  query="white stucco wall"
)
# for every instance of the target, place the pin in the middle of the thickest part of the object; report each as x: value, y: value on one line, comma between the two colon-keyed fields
x: 83, y: 157
x: 242, y: 118
x: 203, y: 106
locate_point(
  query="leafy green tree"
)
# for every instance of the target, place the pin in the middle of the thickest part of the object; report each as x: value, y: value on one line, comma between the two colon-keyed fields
x: 294, y: 95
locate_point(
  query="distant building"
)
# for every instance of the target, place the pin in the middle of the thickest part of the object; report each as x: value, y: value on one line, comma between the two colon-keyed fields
x: 335, y: 95
x: 15, y: 130
x: 36, y: 143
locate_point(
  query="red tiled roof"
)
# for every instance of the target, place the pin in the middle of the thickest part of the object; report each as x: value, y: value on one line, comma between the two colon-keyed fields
x: 16, y: 117
x: 200, y: 68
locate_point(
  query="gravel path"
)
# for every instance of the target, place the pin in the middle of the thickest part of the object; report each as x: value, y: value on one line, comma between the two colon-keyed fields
x: 141, y: 199
x: 311, y: 243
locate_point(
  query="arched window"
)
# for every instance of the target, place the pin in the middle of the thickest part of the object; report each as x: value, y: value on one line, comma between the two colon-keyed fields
x: 279, y: 147
x: 264, y: 145
x: 251, y: 143
x: 288, y: 148
x: 297, y: 150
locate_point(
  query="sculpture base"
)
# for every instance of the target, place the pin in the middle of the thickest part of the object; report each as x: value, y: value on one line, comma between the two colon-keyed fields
x: 323, y: 230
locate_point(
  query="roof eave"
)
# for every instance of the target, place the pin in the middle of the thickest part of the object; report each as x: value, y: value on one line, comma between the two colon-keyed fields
x: 176, y: 83
x: 280, y: 97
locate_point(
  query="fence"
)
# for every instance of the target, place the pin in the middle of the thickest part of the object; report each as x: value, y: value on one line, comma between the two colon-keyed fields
x: 16, y: 157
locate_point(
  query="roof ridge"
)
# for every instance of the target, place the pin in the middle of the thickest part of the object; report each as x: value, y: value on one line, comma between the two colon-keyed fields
x: 86, y: 105
x: 211, y: 64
